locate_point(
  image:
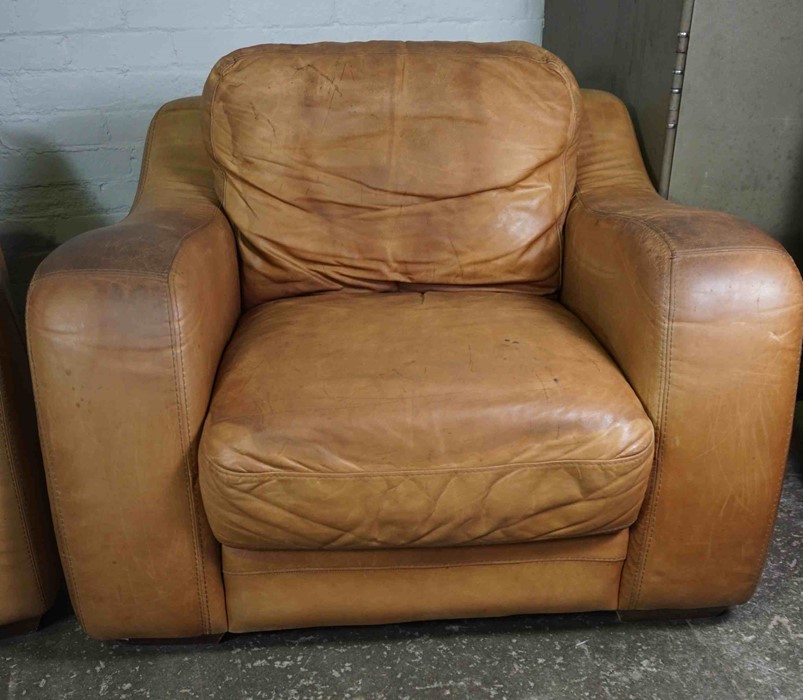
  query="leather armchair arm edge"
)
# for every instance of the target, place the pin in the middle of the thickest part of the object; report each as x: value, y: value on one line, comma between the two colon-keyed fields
x: 123, y: 322
x: 703, y: 313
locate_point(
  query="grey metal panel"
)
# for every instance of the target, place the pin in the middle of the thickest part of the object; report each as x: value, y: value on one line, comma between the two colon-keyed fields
x: 627, y: 47
x: 739, y: 145
x: 583, y: 34
x: 646, y: 44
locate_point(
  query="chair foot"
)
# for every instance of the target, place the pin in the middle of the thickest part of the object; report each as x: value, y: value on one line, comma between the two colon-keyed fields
x: 13, y: 629
x: 668, y: 615
x: 175, y: 641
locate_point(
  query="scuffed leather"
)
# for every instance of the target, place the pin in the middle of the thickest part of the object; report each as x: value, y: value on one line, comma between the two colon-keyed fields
x: 126, y: 327
x: 362, y: 420
x: 285, y: 589
x: 376, y: 165
x: 29, y: 570
x: 483, y: 416
x: 703, y: 313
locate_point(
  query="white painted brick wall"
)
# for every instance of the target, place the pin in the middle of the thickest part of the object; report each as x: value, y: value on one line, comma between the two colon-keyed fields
x: 80, y: 80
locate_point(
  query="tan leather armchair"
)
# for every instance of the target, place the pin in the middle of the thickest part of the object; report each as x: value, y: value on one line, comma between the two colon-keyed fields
x: 402, y: 331
x: 30, y: 576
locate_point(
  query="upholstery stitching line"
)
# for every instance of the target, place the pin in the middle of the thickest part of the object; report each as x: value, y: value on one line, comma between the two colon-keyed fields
x: 203, y: 592
x: 122, y: 272
x: 374, y: 545
x: 505, y: 562
x: 712, y: 251
x: 653, y: 494
x: 640, y: 221
x: 146, y: 157
x: 168, y: 296
x: 574, y: 126
x: 625, y: 461
x: 666, y: 362
x: 61, y: 533
x: 239, y: 54
x: 101, y: 270
x: 146, y: 153
x: 663, y: 234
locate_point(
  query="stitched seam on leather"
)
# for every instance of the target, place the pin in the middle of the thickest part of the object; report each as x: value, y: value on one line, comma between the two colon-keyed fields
x: 101, y: 270
x: 215, y: 162
x: 146, y: 156
x: 573, y: 126
x: 123, y: 272
x: 53, y: 488
x: 623, y: 461
x: 185, y: 237
x: 712, y: 251
x: 504, y: 562
x: 239, y: 54
x: 183, y: 420
x: 655, y: 499
x: 640, y: 221
x: 196, y: 528
x: 653, y: 493
x: 478, y: 541
x: 13, y: 462
x: 146, y: 160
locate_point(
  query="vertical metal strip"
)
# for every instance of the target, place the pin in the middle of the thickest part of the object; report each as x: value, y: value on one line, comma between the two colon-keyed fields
x: 673, y: 115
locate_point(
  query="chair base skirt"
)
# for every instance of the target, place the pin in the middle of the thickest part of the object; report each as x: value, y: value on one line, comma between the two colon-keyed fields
x: 268, y: 590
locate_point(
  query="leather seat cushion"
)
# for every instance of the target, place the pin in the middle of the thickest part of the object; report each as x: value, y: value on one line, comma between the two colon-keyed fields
x: 378, y: 164
x: 354, y: 420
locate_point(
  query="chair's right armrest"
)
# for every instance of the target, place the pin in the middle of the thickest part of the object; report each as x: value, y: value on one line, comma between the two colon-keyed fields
x: 126, y: 326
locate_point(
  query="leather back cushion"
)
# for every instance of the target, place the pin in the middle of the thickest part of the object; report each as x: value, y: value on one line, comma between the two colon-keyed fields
x: 383, y: 165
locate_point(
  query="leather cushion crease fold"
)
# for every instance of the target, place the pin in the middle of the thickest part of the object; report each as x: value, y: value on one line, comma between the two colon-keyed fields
x: 400, y: 331
x: 359, y: 420
x: 381, y: 164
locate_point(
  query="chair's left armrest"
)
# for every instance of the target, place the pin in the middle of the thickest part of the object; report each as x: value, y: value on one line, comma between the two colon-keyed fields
x: 703, y: 313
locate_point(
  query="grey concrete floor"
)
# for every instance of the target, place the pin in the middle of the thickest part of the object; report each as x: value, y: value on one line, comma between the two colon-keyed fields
x: 755, y: 651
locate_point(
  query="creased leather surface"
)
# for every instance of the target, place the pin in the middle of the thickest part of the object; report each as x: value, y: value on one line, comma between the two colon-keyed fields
x: 483, y: 417
x: 359, y: 420
x: 703, y: 313
x: 379, y: 164
x: 284, y: 589
x: 126, y: 327
x: 29, y: 570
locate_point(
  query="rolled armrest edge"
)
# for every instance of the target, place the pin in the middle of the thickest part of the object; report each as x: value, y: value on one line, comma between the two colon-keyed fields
x: 146, y: 242
x: 703, y: 314
x: 126, y: 326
